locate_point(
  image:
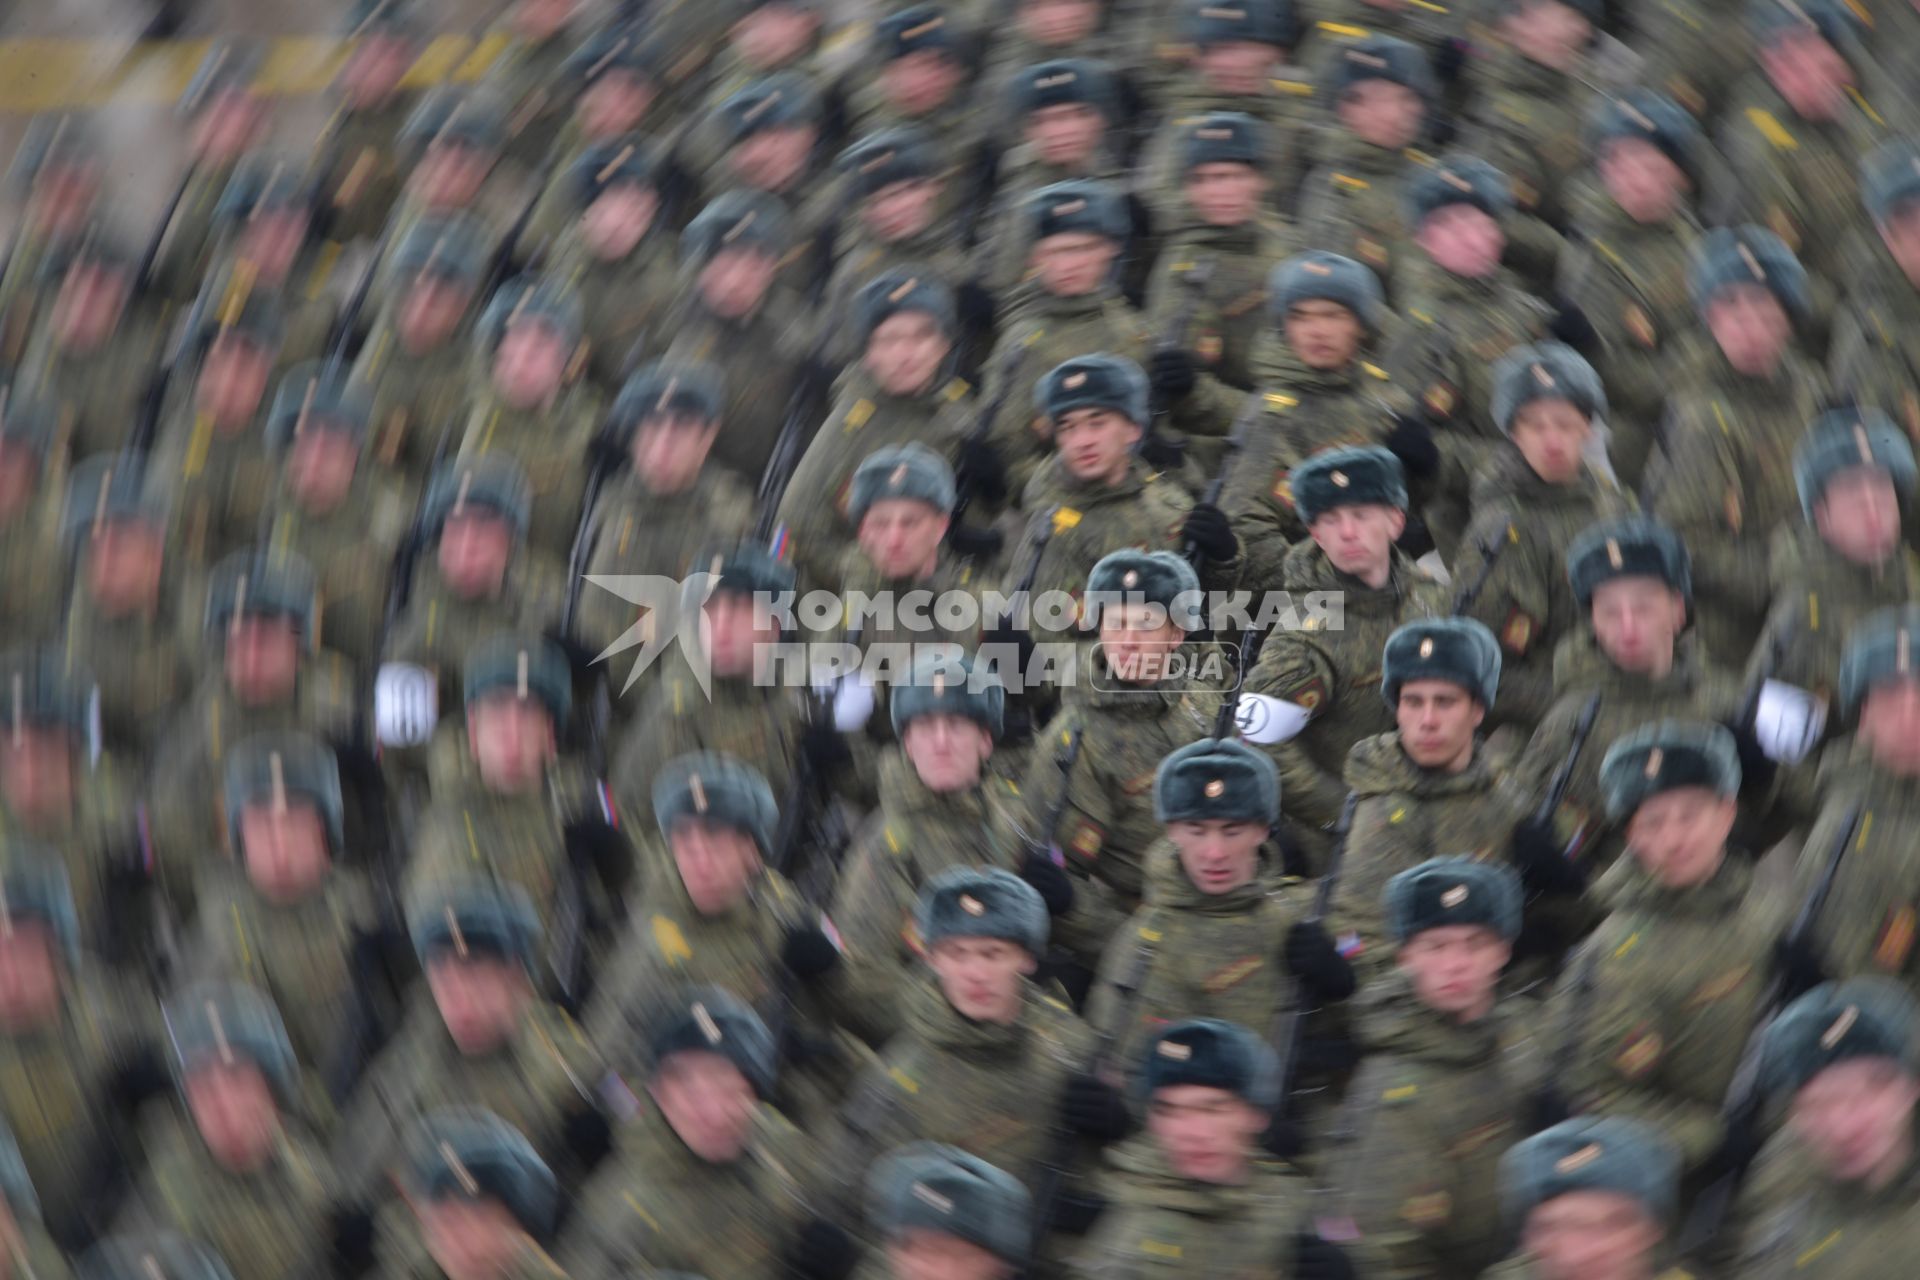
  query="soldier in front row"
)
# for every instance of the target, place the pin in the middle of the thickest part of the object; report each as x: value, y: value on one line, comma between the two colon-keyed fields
x: 480, y: 1203
x: 943, y: 1214
x: 1591, y: 1199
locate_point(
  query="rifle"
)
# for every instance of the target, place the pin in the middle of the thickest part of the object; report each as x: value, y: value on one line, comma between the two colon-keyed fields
x: 790, y: 446
x: 1290, y: 1027
x: 1193, y: 286
x: 1563, y: 772
x: 986, y: 176
x: 150, y: 256
x: 1040, y: 843
x: 1490, y: 552
x: 400, y: 576
x: 1740, y: 1112
x: 1236, y: 445
x: 1249, y: 650
x: 1004, y: 373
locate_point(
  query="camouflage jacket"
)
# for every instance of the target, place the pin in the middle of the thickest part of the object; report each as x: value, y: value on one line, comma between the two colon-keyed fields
x: 1231, y: 311
x: 1405, y: 816
x: 100, y: 837
x: 1874, y: 358
x: 1527, y: 601
x: 624, y: 302
x: 419, y: 398
x: 1818, y: 596
x: 759, y: 357
x: 1434, y: 1106
x: 550, y: 444
x: 1072, y: 523
x: 1335, y: 676
x: 1868, y: 923
x: 1791, y: 1220
x: 1354, y: 204
x: 31, y: 582
x: 361, y: 165
x: 97, y: 394
x: 218, y: 480
x: 1529, y: 121
x: 352, y: 549
x: 140, y: 663
x: 437, y: 625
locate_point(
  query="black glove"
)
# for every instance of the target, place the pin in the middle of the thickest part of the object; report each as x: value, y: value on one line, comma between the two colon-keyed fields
x: 1416, y: 539
x: 1736, y: 1152
x: 1547, y: 1109
x: 1094, y: 1108
x: 1757, y: 771
x: 975, y: 543
x: 1054, y: 886
x: 1448, y: 59
x: 1284, y: 1139
x: 825, y: 745
x: 1313, y: 960
x: 1571, y: 326
x: 1315, y: 1259
x: 586, y: 1135
x: 974, y: 307
x: 1161, y: 453
x: 351, y: 1231
x: 1016, y: 726
x: 980, y: 470
x: 1173, y: 375
x: 1798, y: 965
x: 1411, y: 441
x: 1209, y: 530
x: 1537, y: 857
x: 821, y: 1251
x: 808, y: 953
x: 1074, y: 1213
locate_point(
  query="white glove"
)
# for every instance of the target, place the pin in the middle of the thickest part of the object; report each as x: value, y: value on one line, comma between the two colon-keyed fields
x: 1788, y: 722
x: 852, y: 704
x: 406, y: 705
x: 1268, y: 720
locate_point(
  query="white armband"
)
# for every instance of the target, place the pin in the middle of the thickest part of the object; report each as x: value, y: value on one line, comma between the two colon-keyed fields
x: 406, y: 705
x: 1268, y: 720
x: 1788, y: 722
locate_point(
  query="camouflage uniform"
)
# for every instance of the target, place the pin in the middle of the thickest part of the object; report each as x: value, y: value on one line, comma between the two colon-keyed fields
x: 31, y: 583
x: 1159, y: 1224
x: 1075, y: 522
x: 1623, y: 1158
x: 532, y: 81
x: 1354, y: 204
x: 1335, y: 675
x: 1877, y: 303
x: 95, y: 395
x: 363, y: 178
x: 1867, y: 925
x: 471, y: 1159
x: 1528, y: 119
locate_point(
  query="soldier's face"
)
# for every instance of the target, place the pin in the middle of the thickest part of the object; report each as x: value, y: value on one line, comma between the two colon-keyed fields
x: 982, y: 978
x: 1680, y: 836
x: 1206, y: 1134
x: 901, y: 536
x: 538, y: 19
x: 1382, y: 113
x: 1096, y: 444
x: 29, y: 973
x: 1455, y: 968
x: 733, y: 284
x: 19, y: 471
x: 1462, y: 239
x: 1218, y: 856
x: 772, y: 159
x: 669, y: 450
x: 285, y: 850
x: 1641, y: 178
x: 774, y: 34
x: 1358, y: 540
x: 1591, y: 1235
x: 89, y: 305
x: 1074, y: 264
x: 233, y: 1108
x: 233, y: 379
x: 1809, y: 73
x: 1437, y: 720
x: 228, y: 126
x: 1750, y: 327
x: 1059, y: 22
x: 480, y: 998
x: 901, y: 209
x: 1237, y: 66
x: 374, y: 68
x: 1901, y: 234
x: 511, y: 738
x: 1856, y: 1117
x: 1324, y: 334
x: 947, y: 752
x: 929, y: 1255
x: 430, y: 311
x: 475, y: 547
x: 1547, y: 32
x: 732, y: 628
x: 1136, y: 641
x: 707, y: 1102
x: 124, y: 558
x: 614, y: 223
x: 262, y: 657
x: 1858, y: 515
x: 63, y: 197
x: 36, y: 770
x: 1552, y: 436
x: 1636, y: 621
x: 906, y: 352
x: 1065, y: 135
x: 1890, y: 725
x: 529, y: 363
x: 716, y: 862
x: 271, y: 242
x: 614, y: 104
x: 451, y: 174
x: 921, y: 81
x: 1225, y: 195
x: 470, y: 1239
x: 320, y: 466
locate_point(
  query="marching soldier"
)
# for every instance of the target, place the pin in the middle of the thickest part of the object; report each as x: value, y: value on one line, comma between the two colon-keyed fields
x: 1741, y: 396
x: 1536, y: 490
x: 30, y: 582
x: 225, y: 118
x: 360, y: 144
x: 946, y: 1215
x: 1879, y: 287
x: 1354, y: 506
x: 30, y: 1247
x: 770, y: 142
x: 894, y: 186
x: 1214, y: 940
x: 531, y: 77
x: 1590, y: 1198
x: 450, y: 148
x: 920, y: 58
x: 1441, y: 1095
x: 270, y: 244
x: 481, y: 1203
x: 56, y: 172
x: 1533, y: 97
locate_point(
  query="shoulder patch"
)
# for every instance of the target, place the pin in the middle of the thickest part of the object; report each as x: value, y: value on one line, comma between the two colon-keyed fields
x: 1342, y: 29
x: 1278, y: 403
x: 1064, y: 518
x: 859, y: 414
x: 957, y: 389
x: 1373, y: 370
x: 1771, y: 129
x: 1293, y: 88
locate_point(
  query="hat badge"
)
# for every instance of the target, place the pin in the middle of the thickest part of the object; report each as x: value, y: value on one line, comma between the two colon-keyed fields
x: 1841, y: 1025
x: 1454, y: 896
x: 708, y: 1027
x: 1074, y: 381
x: 906, y: 286
x: 1339, y: 479
x: 1614, y: 557
x: 1426, y: 647
x: 931, y: 1198
x: 1655, y: 758
x: 1579, y: 1159
x: 1541, y: 376
x: 972, y: 905
x: 899, y: 476
x: 1215, y: 789
x: 1316, y: 268
x: 1903, y: 659
x: 1866, y: 445
x: 1066, y: 207
x: 699, y: 791
x: 1130, y: 579
x: 1175, y: 1050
